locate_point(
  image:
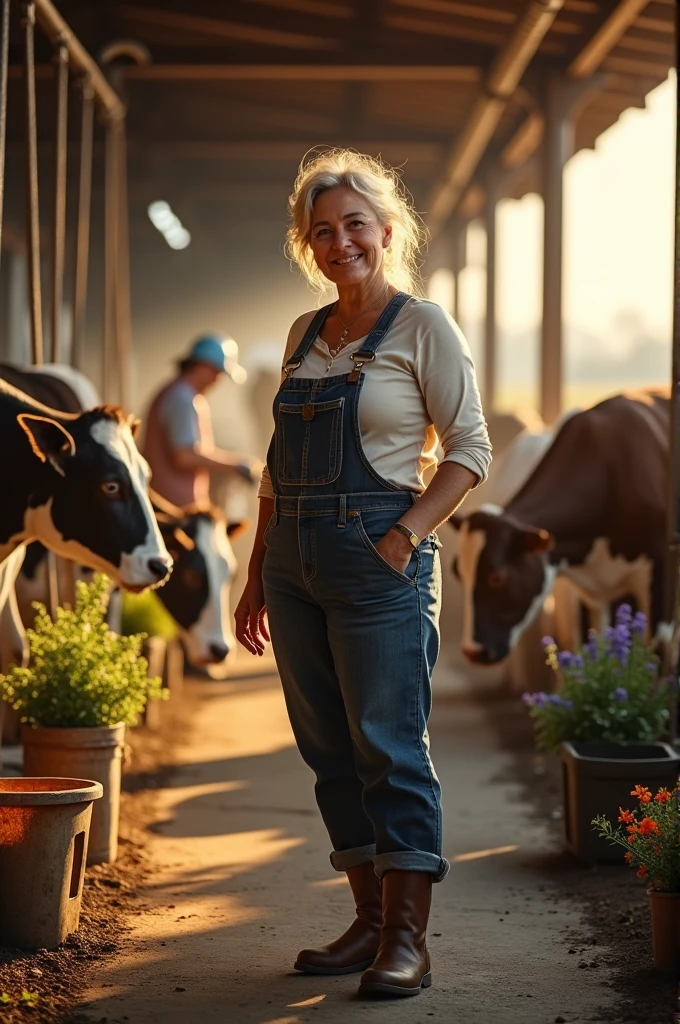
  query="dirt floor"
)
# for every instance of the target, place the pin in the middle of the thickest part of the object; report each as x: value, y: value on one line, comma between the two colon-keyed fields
x: 224, y: 874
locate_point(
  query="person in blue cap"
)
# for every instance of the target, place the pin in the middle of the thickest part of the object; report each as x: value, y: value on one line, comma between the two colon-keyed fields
x: 178, y: 442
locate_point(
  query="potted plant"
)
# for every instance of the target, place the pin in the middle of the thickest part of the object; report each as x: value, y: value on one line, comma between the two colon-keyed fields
x: 651, y: 842
x: 83, y: 685
x: 606, y: 721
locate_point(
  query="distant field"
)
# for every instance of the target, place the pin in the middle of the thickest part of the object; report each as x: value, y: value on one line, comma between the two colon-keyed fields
x: 578, y: 395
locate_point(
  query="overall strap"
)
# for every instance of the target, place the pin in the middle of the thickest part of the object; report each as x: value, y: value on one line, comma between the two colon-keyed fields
x: 366, y: 353
x: 308, y: 338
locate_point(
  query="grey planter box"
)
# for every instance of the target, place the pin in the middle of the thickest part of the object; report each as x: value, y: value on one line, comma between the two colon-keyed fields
x: 598, y: 779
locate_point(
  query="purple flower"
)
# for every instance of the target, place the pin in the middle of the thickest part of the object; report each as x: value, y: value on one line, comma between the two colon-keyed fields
x: 624, y: 615
x: 620, y: 693
x: 559, y: 702
x: 540, y: 700
x: 651, y: 666
x: 547, y: 641
x: 577, y: 662
x: 565, y: 659
x: 639, y: 623
x: 617, y: 639
x: 592, y: 648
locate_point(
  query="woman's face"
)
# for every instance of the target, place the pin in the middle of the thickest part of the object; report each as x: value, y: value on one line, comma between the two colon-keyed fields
x: 347, y: 239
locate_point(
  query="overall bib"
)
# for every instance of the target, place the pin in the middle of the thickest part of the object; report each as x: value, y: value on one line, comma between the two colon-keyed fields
x: 355, y: 640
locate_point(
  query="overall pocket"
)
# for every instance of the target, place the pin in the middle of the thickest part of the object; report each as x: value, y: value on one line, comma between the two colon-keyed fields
x: 309, y: 443
x: 371, y: 527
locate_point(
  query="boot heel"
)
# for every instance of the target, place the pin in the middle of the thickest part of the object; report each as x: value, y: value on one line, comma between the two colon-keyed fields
x: 427, y: 980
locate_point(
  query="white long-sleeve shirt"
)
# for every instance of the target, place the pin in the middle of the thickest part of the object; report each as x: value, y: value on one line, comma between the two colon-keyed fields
x: 421, y: 391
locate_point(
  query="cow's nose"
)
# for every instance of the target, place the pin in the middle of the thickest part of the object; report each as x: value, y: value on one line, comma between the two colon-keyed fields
x: 475, y: 653
x: 218, y: 652
x: 158, y: 568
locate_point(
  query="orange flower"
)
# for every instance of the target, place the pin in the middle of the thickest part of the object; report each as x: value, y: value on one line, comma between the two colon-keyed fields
x: 648, y: 827
x: 626, y: 816
x: 643, y: 794
x: 628, y: 857
x: 662, y: 796
x: 632, y: 830
x: 641, y: 871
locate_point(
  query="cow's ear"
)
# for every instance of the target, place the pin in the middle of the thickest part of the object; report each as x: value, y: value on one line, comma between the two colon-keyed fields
x: 538, y: 540
x: 48, y: 439
x: 134, y: 425
x: 237, y: 527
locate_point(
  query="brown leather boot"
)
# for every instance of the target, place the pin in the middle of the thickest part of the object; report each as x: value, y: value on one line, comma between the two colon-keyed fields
x: 356, y: 948
x: 402, y: 966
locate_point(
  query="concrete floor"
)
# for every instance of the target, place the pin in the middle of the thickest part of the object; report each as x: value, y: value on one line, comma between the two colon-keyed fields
x: 242, y: 880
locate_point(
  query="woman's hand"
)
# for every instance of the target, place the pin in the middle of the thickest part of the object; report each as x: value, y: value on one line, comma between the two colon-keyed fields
x: 251, y: 628
x: 396, y: 549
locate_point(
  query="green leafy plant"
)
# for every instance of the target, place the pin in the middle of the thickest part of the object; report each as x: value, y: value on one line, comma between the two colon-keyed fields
x: 5, y: 998
x: 651, y: 838
x: 80, y: 673
x: 28, y: 998
x: 144, y: 613
x: 609, y: 690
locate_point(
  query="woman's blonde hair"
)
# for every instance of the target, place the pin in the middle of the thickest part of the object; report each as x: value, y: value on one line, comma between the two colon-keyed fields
x: 381, y: 186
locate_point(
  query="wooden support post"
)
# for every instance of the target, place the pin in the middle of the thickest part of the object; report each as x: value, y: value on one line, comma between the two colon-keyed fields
x: 459, y: 262
x: 490, y: 324
x: 562, y: 98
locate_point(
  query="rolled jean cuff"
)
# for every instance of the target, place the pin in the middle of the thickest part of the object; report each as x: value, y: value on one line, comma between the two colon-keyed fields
x: 344, y: 859
x: 412, y: 860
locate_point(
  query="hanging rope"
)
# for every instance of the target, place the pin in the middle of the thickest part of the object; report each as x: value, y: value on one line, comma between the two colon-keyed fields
x: 59, y: 226
x: 4, y: 54
x: 32, y: 212
x: 123, y: 316
x: 83, y: 228
x: 111, y: 255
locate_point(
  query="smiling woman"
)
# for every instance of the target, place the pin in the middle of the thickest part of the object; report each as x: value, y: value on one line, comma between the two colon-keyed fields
x: 346, y: 563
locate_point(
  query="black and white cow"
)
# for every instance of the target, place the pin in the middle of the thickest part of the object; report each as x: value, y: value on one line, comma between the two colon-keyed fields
x: 78, y: 484
x: 197, y: 593
x: 593, y: 510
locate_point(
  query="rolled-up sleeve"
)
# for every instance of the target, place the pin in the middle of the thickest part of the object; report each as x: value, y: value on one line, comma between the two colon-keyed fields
x: 446, y: 375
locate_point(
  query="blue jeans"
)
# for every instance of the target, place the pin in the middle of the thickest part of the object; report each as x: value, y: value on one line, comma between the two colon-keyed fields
x: 355, y: 642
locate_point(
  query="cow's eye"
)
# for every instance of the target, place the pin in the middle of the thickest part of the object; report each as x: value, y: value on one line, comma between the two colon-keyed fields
x: 496, y: 579
x: 111, y: 488
x: 192, y: 579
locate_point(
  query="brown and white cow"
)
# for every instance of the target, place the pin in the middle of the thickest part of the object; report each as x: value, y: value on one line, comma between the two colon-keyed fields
x: 593, y: 510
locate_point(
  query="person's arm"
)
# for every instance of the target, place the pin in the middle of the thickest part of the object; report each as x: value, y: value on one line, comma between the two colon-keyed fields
x: 251, y: 628
x: 446, y: 376
x: 217, y: 461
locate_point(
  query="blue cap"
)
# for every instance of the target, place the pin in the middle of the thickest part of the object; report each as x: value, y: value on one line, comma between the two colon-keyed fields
x: 220, y: 353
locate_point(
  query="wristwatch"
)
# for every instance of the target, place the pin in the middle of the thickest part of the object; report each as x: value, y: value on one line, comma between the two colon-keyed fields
x: 409, y: 534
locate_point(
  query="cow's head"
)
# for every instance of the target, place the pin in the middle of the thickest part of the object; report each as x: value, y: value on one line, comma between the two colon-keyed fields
x: 504, y: 570
x: 90, y: 501
x: 197, y: 594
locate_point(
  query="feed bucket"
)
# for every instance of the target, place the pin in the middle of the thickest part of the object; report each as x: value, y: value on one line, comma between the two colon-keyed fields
x: 44, y: 826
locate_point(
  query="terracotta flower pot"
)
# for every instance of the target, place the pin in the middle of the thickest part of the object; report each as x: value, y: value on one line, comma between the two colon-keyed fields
x: 88, y: 753
x: 44, y: 826
x: 665, y: 912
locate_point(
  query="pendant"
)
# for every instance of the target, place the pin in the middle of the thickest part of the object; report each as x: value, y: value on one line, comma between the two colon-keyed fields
x: 344, y: 335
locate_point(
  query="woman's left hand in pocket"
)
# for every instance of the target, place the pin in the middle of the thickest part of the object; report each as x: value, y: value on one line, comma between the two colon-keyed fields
x: 396, y: 549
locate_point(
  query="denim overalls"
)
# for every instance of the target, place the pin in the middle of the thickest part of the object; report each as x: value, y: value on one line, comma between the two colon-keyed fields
x: 355, y: 640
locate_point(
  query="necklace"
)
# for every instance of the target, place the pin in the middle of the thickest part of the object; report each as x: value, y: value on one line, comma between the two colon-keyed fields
x: 345, y: 327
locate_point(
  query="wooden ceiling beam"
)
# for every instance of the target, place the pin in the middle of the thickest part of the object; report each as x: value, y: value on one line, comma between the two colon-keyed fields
x: 303, y: 73
x: 617, y: 18
x: 275, y: 150
x: 319, y: 8
x: 229, y: 29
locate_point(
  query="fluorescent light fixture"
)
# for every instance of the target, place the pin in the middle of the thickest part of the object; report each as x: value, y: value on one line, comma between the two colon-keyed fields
x: 169, y: 224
